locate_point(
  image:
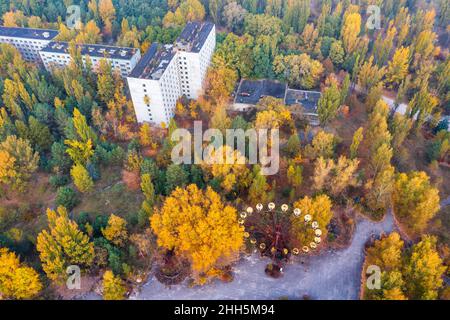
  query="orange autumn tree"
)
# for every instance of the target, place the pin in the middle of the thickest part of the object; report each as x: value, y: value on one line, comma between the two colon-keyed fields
x: 198, y: 226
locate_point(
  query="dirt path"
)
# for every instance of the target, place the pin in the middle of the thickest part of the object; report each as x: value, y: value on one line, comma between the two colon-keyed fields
x: 331, y: 275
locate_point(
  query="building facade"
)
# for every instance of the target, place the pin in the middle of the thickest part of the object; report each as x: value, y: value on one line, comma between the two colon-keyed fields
x: 167, y: 72
x: 27, y: 40
x: 195, y: 47
x: 122, y: 59
x: 154, y: 85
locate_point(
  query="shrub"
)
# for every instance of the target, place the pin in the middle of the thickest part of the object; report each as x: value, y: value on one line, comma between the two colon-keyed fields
x: 58, y: 181
x: 67, y: 198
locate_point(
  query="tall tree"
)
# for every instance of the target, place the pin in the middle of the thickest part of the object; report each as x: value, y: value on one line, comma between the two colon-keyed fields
x: 398, y: 67
x: 116, y: 230
x: 113, y: 287
x: 415, y: 200
x: 329, y: 103
x: 17, y: 281
x: 197, y: 225
x: 319, y: 208
x: 357, y: 139
x: 81, y: 178
x: 296, y: 14
x: 298, y: 70
x: 63, y: 245
x: 18, y: 162
x: 423, y: 270
x: 351, y: 28
x: 369, y: 75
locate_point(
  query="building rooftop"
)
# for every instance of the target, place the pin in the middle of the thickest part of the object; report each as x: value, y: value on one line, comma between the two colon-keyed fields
x: 154, y: 62
x: 193, y: 36
x: 251, y: 91
x: 307, y: 99
x: 28, y: 33
x: 93, y: 50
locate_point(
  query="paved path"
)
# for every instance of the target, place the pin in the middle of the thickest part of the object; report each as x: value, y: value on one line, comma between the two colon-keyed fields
x: 445, y: 202
x: 332, y: 275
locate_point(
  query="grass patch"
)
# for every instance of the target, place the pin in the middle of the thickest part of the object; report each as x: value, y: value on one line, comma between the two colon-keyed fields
x: 110, y: 196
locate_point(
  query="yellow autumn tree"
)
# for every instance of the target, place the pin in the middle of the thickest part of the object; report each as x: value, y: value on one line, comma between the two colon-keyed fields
x: 322, y: 145
x: 189, y: 10
x: 350, y: 31
x: 198, y: 226
x: 14, y: 18
x: 106, y: 10
x: 90, y: 33
x: 145, y: 135
x: 424, y: 270
x: 63, y: 245
x: 18, y: 162
x: 415, y: 200
x: 116, y: 230
x: 228, y: 166
x: 81, y: 178
x: 398, y: 66
x: 17, y: 281
x: 113, y: 287
x: 80, y: 152
x: 220, y: 81
x: 319, y: 208
x: 386, y: 253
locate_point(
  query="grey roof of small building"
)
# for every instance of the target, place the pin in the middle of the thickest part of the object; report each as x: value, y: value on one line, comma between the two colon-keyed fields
x: 28, y: 33
x: 93, y: 50
x: 154, y: 62
x: 194, y: 36
x: 251, y: 91
x: 307, y: 99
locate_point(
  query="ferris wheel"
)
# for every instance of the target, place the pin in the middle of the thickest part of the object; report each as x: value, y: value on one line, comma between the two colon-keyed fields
x: 268, y: 229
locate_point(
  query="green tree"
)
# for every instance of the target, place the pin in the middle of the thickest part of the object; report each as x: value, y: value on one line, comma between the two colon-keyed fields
x: 329, y: 103
x: 39, y: 134
x: 105, y: 81
x: 337, y: 53
x: 258, y: 191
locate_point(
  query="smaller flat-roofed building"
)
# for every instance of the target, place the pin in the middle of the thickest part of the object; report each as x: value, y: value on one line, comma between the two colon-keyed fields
x: 250, y: 92
x: 122, y: 59
x: 28, y: 41
x: 307, y: 101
